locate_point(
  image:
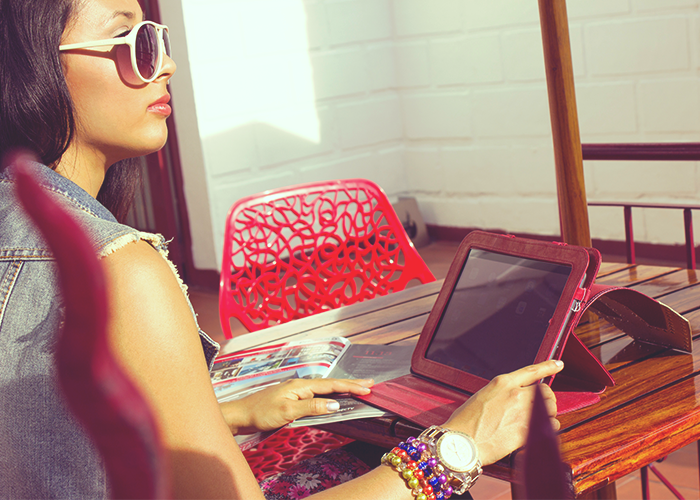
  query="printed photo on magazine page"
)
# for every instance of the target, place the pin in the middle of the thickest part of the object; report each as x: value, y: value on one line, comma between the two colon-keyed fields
x: 240, y: 373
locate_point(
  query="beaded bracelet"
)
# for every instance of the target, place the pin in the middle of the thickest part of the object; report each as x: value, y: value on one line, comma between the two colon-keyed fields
x: 460, y: 480
x: 422, y: 471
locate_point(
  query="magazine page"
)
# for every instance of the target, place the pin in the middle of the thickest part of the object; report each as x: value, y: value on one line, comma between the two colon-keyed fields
x: 248, y: 441
x: 241, y: 373
x: 350, y: 409
x: 378, y: 362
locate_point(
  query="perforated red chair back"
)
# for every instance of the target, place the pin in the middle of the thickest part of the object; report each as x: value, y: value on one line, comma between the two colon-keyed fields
x: 293, y: 252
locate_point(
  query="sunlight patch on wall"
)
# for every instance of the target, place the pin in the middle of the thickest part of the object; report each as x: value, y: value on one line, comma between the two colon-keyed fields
x: 250, y: 64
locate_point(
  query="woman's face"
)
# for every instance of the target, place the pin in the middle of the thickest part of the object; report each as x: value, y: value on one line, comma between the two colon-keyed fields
x: 115, y: 119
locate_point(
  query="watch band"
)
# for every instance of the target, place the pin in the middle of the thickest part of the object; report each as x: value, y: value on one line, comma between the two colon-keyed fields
x: 460, y: 481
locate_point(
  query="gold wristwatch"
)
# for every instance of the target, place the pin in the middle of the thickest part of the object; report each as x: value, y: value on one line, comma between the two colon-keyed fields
x: 457, y: 453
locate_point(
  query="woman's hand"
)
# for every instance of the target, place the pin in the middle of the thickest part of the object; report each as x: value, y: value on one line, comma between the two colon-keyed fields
x: 497, y: 416
x: 280, y: 404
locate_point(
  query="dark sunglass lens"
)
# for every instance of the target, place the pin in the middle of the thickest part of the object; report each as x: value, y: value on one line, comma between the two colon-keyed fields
x: 166, y: 42
x: 147, y: 51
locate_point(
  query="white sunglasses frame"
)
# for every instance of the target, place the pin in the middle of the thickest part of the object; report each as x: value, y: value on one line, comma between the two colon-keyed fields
x: 129, y: 40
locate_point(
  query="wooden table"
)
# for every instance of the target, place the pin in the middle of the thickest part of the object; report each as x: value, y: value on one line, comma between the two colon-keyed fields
x: 652, y: 411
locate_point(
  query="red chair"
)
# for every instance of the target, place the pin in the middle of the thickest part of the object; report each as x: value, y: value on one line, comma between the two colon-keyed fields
x: 302, y: 250
x: 293, y: 252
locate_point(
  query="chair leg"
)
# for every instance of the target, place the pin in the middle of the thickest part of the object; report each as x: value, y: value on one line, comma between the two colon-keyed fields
x: 666, y: 482
x: 645, y: 481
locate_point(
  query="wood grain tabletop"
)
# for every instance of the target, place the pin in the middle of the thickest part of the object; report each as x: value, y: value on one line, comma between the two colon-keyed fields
x: 653, y: 410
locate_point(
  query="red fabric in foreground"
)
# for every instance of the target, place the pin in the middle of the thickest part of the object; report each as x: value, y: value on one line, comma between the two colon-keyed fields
x: 290, y: 446
x: 97, y: 391
x: 314, y: 475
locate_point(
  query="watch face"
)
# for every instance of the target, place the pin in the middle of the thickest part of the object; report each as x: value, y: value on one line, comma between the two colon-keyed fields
x: 456, y: 452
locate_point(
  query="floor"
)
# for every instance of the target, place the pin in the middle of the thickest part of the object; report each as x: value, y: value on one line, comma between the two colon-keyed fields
x: 681, y: 467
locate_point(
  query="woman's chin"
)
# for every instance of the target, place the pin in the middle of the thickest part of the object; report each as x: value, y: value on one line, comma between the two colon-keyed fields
x: 154, y: 144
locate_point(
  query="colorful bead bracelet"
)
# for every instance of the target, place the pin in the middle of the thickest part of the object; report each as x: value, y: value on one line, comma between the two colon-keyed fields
x: 422, y: 471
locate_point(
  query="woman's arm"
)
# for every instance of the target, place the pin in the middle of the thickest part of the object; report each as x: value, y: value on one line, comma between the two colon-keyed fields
x: 155, y: 338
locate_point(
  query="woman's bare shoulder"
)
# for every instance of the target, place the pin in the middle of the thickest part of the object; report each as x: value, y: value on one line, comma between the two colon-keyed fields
x: 137, y: 261
x: 146, y: 302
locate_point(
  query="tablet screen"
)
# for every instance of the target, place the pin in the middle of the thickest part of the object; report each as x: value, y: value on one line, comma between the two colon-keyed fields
x: 498, y: 313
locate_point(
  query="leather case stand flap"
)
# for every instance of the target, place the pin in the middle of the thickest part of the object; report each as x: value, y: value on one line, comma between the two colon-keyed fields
x: 582, y: 371
x: 641, y: 317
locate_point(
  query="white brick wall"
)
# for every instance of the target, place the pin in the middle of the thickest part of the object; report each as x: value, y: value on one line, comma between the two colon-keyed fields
x: 418, y: 17
x: 511, y: 111
x: 595, y: 100
x: 444, y: 100
x: 444, y: 115
x: 523, y: 55
x: 601, y: 9
x: 499, y: 14
x: 652, y: 44
x: 662, y: 112
x: 356, y: 21
x: 412, y: 63
x: 369, y: 122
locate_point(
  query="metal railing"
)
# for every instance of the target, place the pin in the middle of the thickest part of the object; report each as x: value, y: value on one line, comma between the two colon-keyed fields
x: 681, y: 151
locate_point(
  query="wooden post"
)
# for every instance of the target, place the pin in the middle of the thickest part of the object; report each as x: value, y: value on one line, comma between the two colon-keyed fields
x: 571, y: 190
x: 629, y: 236
x: 689, y: 241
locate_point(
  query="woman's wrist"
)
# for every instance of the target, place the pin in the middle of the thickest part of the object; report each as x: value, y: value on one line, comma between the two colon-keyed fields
x: 234, y: 416
x: 437, y: 464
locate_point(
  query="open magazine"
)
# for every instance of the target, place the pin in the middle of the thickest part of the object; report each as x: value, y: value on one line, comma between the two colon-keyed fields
x: 241, y: 373
x: 238, y: 374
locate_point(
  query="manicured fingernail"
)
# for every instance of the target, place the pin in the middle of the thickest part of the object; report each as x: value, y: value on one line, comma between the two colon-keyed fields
x: 559, y: 363
x: 332, y: 406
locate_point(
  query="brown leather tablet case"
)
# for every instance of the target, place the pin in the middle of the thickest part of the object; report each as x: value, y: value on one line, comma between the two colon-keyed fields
x: 426, y: 401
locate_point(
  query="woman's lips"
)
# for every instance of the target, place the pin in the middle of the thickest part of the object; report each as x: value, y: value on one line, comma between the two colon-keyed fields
x: 161, y: 106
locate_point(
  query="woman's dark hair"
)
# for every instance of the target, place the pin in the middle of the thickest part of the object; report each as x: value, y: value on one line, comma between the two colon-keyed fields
x: 36, y: 110
x: 122, y: 181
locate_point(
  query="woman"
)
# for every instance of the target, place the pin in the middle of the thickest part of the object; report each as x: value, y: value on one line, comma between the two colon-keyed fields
x: 84, y: 84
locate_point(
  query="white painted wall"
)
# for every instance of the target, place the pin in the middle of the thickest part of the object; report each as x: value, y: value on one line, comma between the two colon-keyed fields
x: 444, y: 100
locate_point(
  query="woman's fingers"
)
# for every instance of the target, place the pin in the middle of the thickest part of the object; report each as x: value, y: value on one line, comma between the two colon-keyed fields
x: 307, y: 388
x: 534, y: 373
x: 556, y: 425
x: 310, y: 407
x: 315, y: 406
x: 550, y: 400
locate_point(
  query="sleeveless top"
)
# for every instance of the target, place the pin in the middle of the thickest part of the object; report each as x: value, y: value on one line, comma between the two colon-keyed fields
x: 44, y: 453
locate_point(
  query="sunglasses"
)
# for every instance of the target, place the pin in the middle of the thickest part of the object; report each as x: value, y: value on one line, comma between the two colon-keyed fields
x: 147, y: 42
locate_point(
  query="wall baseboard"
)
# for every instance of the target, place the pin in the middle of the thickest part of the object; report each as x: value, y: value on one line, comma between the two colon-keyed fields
x: 611, y: 250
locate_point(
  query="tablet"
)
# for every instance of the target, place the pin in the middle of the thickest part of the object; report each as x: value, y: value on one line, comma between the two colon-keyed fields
x: 505, y: 304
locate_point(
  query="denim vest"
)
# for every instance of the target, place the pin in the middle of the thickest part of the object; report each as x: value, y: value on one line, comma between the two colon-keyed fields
x: 44, y: 453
